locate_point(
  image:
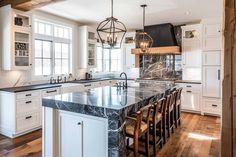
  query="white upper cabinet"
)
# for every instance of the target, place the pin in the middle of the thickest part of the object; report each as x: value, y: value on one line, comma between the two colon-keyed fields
x: 129, y: 58
x: 212, y: 37
x: 16, y: 39
x: 191, y: 56
x: 211, y: 81
x: 87, y: 47
x: 211, y: 58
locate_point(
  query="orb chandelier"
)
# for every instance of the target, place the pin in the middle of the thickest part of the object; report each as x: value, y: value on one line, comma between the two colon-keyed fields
x: 111, y: 31
x: 143, y: 40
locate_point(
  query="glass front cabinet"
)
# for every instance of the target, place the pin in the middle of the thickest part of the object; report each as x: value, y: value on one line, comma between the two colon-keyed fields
x: 16, y: 39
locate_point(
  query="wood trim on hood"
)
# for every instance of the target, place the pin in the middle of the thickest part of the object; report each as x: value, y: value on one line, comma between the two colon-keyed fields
x: 159, y: 50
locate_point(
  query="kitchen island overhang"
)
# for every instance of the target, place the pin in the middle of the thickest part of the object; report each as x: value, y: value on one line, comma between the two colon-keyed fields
x: 110, y: 104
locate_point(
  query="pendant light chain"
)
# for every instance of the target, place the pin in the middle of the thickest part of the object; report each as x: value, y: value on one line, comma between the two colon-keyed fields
x: 143, y: 16
x: 112, y: 8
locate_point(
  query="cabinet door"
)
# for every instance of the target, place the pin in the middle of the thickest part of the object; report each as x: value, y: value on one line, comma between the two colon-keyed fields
x: 211, y: 81
x: 70, y: 136
x: 190, y: 100
x: 212, y: 37
x: 212, y: 58
x: 191, y: 54
x: 129, y: 58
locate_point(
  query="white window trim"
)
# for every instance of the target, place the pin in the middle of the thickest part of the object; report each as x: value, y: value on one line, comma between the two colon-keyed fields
x: 50, y: 38
x: 103, y: 65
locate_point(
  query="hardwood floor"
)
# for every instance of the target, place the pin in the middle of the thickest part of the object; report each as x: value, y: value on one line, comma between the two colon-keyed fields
x: 198, y: 136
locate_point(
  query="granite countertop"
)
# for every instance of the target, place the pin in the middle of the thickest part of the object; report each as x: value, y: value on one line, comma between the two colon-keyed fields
x: 29, y: 88
x: 107, y: 97
x: 48, y: 85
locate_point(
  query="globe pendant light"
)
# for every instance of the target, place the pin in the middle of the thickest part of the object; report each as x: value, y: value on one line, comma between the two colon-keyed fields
x: 111, y: 32
x: 143, y: 40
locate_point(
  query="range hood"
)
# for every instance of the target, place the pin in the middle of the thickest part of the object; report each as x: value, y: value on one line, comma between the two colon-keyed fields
x: 164, y: 40
x: 26, y: 5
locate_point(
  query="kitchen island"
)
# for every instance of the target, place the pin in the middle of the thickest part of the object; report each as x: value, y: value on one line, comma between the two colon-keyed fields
x: 91, y: 123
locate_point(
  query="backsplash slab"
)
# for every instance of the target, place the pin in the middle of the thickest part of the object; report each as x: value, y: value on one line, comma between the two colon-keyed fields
x: 161, y: 66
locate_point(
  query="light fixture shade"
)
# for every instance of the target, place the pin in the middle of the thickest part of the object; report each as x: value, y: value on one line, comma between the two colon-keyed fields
x: 111, y: 33
x: 143, y: 41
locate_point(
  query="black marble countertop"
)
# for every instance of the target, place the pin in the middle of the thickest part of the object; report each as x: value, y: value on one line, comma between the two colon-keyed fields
x: 48, y: 85
x: 29, y: 88
x: 107, y: 97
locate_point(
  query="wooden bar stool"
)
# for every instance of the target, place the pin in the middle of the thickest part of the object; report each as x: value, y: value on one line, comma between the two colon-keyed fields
x: 136, y: 127
x: 155, y: 123
x: 164, y: 117
x: 170, y: 113
x: 178, y: 107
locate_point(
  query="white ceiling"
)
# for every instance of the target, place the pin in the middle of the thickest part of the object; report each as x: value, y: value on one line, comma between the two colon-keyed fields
x: 130, y: 13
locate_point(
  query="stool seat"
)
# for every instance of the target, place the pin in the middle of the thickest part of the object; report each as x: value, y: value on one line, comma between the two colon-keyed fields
x: 130, y: 126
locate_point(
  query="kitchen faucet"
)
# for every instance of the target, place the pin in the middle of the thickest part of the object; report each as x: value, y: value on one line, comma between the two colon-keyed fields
x: 123, y: 73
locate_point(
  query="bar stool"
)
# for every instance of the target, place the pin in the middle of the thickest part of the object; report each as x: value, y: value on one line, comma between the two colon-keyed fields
x: 170, y: 113
x: 164, y: 117
x: 178, y: 107
x: 155, y: 123
x: 135, y: 128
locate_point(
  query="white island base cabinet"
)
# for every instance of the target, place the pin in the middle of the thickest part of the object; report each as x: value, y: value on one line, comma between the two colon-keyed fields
x: 67, y: 134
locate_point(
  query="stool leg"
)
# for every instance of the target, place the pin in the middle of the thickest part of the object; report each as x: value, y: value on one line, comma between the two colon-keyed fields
x: 136, y: 147
x: 161, y: 133
x: 164, y: 129
x: 147, y: 143
x: 168, y: 124
x: 154, y: 139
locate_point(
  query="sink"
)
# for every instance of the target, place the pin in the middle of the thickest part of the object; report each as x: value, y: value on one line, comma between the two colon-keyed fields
x: 69, y: 84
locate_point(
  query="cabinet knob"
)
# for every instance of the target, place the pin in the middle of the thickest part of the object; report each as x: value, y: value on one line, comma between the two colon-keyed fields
x: 79, y: 123
x: 214, y: 105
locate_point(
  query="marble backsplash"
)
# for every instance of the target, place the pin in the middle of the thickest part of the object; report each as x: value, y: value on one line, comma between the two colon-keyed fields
x: 160, y: 66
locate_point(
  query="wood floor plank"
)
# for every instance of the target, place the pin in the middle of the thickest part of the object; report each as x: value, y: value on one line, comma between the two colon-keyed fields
x: 198, y: 136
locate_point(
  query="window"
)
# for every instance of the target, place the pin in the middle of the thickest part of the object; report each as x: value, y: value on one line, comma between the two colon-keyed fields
x: 108, y: 60
x: 52, y: 49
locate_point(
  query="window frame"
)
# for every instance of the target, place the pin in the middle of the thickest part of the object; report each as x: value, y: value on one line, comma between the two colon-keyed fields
x: 54, y: 40
x: 110, y: 59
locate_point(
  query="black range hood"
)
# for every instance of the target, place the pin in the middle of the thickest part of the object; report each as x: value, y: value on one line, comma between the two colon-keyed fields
x: 164, y: 40
x: 162, y: 35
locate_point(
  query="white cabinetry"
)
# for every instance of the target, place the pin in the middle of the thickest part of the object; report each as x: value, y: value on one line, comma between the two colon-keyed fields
x: 15, y: 39
x: 20, y: 113
x: 129, y: 58
x: 74, y: 135
x: 212, y: 36
x: 87, y: 47
x: 191, y: 52
x: 191, y: 97
x: 212, y: 82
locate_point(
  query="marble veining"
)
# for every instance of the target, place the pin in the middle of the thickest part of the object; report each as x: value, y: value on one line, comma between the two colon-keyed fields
x: 112, y: 103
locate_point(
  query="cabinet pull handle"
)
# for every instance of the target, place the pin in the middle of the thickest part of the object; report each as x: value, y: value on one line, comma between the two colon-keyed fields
x: 28, y: 95
x: 214, y: 105
x: 28, y: 102
x: 188, y: 86
x: 28, y: 117
x: 218, y: 74
x: 87, y: 85
x: 189, y: 91
x: 52, y: 91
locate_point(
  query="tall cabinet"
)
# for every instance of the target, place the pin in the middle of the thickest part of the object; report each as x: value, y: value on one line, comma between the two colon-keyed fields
x: 15, y: 39
x: 87, y: 47
x: 211, y: 76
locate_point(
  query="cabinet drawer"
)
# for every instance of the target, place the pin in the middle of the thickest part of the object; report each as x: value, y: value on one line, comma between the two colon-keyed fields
x: 26, y: 106
x: 50, y: 92
x: 27, y: 122
x: 212, y: 106
x: 29, y: 94
x: 190, y: 87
